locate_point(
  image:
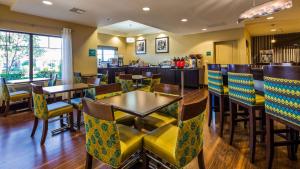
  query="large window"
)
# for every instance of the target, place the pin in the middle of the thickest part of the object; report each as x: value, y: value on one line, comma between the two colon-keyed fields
x: 25, y: 55
x: 14, y: 55
x: 106, y: 53
x: 46, y: 56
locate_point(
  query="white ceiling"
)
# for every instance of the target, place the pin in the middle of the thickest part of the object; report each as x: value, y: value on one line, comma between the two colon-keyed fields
x: 128, y: 28
x: 164, y: 15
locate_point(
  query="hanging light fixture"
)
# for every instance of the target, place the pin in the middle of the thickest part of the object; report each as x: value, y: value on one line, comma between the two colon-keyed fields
x: 265, y: 9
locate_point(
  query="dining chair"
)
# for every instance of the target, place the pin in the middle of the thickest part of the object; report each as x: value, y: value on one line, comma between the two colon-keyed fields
x: 175, y: 146
x: 52, y: 80
x: 94, y: 81
x: 282, y: 94
x: 102, y: 92
x: 126, y: 82
x: 44, y: 111
x: 242, y: 93
x: 111, y: 143
x: 216, y: 88
x: 117, y: 76
x: 77, y: 77
x: 163, y: 116
x: 7, y: 97
x: 148, y: 76
x: 154, y: 80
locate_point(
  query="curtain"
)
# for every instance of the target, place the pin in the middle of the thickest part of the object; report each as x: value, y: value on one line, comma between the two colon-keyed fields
x: 67, y: 57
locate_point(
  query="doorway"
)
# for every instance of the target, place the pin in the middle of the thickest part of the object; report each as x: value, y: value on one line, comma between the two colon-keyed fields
x: 226, y: 52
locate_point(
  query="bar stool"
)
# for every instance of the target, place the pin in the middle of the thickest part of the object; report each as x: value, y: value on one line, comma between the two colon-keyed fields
x: 242, y: 93
x: 113, y: 144
x: 282, y: 93
x: 216, y: 88
x: 174, y: 146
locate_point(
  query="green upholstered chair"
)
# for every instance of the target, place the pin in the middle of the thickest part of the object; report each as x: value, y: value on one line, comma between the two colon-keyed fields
x: 44, y: 111
x: 126, y: 82
x: 154, y: 80
x: 282, y: 104
x: 176, y: 146
x: 117, y: 76
x: 216, y: 88
x: 102, y: 92
x: 52, y: 81
x: 148, y: 76
x: 104, y: 79
x: 242, y: 93
x: 6, y: 97
x: 111, y: 143
x: 164, y: 116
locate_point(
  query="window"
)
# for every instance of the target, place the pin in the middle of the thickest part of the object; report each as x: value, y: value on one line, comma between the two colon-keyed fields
x: 46, y: 56
x: 17, y: 61
x: 14, y: 55
x: 105, y: 53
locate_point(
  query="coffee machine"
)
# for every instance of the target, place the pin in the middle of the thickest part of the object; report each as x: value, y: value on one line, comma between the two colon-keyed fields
x: 195, y: 60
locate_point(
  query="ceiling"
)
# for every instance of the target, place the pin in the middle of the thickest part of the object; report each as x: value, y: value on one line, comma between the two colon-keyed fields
x: 128, y: 28
x: 164, y: 14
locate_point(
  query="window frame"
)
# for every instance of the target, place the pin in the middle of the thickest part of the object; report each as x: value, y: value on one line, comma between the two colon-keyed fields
x: 30, y: 46
x: 102, y: 48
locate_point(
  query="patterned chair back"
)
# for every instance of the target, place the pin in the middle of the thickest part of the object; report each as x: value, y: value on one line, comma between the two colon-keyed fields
x: 52, y: 81
x: 39, y: 102
x: 171, y: 110
x: 155, y: 80
x: 126, y: 82
x: 241, y: 84
x: 102, y: 135
x: 4, y: 92
x: 104, y: 79
x: 190, y: 133
x: 215, y: 78
x: 282, y: 92
x: 117, y: 76
x: 77, y: 77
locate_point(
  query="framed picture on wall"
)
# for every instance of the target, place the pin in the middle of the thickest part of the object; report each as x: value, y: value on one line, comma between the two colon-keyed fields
x: 162, y: 45
x: 140, y: 46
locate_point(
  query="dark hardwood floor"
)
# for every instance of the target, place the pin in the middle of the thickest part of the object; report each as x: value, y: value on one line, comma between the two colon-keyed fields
x: 67, y: 150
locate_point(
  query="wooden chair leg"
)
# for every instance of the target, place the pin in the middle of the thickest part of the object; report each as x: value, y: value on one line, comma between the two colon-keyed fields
x: 201, y: 160
x: 262, y: 124
x: 78, y: 119
x: 291, y: 148
x: 6, y: 111
x: 71, y: 121
x: 88, y: 161
x: 210, y: 109
x: 61, y: 121
x: 233, y: 111
x: 30, y: 103
x: 269, y: 141
x: 35, y: 124
x: 221, y: 115
x: 252, y: 144
x: 45, y: 131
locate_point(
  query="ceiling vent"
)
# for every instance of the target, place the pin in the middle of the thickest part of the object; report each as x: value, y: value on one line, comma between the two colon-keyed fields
x: 77, y: 10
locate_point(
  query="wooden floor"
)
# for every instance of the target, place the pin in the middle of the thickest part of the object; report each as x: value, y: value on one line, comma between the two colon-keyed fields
x: 19, y: 151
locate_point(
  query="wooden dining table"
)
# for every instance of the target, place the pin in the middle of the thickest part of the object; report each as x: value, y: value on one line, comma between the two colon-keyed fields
x: 140, y: 103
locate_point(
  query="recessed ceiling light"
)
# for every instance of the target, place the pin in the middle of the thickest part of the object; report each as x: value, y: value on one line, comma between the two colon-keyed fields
x: 47, y: 3
x: 270, y: 18
x: 273, y: 30
x: 184, y: 20
x: 204, y: 29
x: 146, y: 9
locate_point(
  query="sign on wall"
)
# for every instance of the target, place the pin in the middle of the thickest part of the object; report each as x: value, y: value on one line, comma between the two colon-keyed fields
x: 208, y: 53
x: 92, y: 52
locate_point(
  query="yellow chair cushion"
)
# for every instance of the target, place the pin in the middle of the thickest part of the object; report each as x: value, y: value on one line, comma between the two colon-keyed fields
x: 259, y: 99
x: 19, y: 95
x: 59, y: 108
x: 124, y: 118
x: 155, y: 120
x: 162, y: 142
x: 130, y: 139
x: 225, y: 89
